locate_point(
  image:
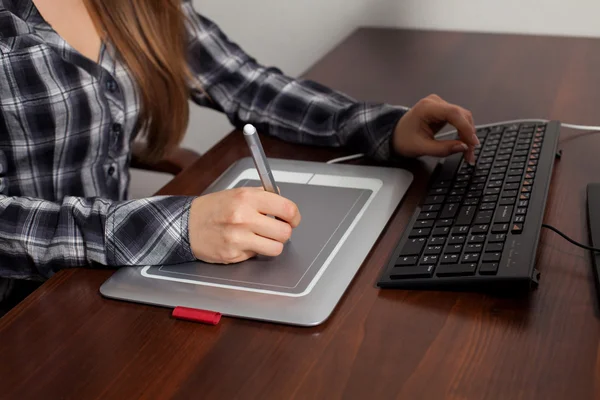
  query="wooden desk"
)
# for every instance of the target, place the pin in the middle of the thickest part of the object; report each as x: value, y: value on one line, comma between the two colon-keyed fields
x: 66, y: 341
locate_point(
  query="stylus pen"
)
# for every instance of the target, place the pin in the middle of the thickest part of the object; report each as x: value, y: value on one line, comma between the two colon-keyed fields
x: 260, y: 160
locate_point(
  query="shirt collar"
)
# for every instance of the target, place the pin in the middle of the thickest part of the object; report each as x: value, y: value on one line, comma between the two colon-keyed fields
x: 25, y: 10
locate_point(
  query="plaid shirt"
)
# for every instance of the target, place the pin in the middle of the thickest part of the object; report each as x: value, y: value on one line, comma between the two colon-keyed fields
x: 67, y: 122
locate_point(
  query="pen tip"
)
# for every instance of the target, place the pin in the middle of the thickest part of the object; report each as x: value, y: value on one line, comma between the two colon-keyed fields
x: 249, y: 129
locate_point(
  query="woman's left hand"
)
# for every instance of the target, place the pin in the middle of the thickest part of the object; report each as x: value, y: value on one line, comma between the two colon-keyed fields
x: 414, y: 134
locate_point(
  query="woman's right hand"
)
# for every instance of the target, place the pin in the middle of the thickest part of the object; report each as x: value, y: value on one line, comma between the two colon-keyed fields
x: 231, y: 226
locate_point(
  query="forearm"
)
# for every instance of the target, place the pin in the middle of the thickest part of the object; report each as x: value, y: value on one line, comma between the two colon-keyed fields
x: 38, y: 237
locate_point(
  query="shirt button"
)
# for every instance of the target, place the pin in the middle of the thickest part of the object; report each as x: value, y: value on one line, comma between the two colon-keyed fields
x: 111, y: 85
x: 117, y: 129
x: 111, y: 170
x: 2, y: 163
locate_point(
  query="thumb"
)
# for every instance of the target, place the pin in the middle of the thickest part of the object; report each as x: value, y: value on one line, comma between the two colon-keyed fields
x: 443, y: 148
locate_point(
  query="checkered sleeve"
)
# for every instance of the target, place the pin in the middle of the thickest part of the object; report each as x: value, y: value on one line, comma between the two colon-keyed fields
x: 38, y: 237
x: 295, y: 110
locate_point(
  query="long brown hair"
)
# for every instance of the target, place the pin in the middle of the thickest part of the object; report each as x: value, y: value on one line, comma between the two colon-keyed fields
x: 149, y: 36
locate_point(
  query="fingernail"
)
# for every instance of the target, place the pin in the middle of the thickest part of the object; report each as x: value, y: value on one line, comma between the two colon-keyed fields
x: 476, y: 141
x: 460, y: 147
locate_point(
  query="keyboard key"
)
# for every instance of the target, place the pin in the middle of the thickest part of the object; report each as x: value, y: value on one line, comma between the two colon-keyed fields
x: 492, y: 257
x: 497, y: 238
x: 469, y: 258
x: 431, y: 250
x: 509, y: 193
x: 436, y: 241
x: 494, y: 247
x: 449, y: 259
x: 417, y: 233
x: 407, y: 261
x: 438, y: 191
x: 427, y: 215
x: 442, y: 184
x: 490, y: 199
x: 476, y: 186
x: 517, y: 165
x: 474, y: 248
x: 476, y: 239
x: 519, y: 219
x: 491, y: 191
x: 530, y: 175
x: 441, y: 231
x: 521, y: 211
x: 459, y: 185
x: 500, y: 164
x: 412, y: 272
x: 531, y: 168
x: 519, y: 159
x: 508, y: 201
x: 484, y: 217
x: 432, y: 207
x: 465, y: 217
x: 434, y: 200
x: 521, y: 153
x: 423, y: 224
x: 494, y: 184
x: 471, y: 202
x: 450, y: 210
x: 517, y: 229
x: 513, y: 179
x: 499, y: 170
x: 479, y: 179
x: 496, y: 177
x: 457, y: 192
x: 503, y: 215
x: 479, y: 229
x: 454, y: 199
x: 488, y: 206
x: 511, y: 186
x: 515, y: 171
x: 429, y: 260
x: 457, y: 239
x: 499, y: 228
x: 488, y: 269
x: 523, y: 203
x: 460, y: 230
x: 474, y: 194
x: 528, y: 182
x: 444, y: 222
x: 526, y: 189
x: 413, y: 247
x: 456, y: 269
x: 453, y: 249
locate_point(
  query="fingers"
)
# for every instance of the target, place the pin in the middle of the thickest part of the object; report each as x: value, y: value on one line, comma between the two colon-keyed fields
x: 270, y: 228
x: 261, y: 245
x: 438, y: 110
x: 444, y: 148
x: 273, y: 204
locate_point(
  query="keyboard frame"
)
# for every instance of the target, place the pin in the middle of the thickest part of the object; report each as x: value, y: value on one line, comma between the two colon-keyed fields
x: 517, y: 265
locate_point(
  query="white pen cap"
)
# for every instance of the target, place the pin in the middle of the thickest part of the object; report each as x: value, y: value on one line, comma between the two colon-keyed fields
x: 249, y: 130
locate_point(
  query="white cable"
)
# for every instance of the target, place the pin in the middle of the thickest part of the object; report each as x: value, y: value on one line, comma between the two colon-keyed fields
x: 346, y: 158
x: 581, y: 127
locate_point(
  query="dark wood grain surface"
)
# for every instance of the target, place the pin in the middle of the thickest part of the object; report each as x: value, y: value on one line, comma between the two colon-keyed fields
x: 66, y: 341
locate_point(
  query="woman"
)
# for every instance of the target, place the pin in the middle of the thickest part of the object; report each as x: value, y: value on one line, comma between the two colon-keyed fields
x: 82, y: 78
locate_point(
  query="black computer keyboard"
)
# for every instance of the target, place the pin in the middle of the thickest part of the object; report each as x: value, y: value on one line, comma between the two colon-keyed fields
x: 479, y: 226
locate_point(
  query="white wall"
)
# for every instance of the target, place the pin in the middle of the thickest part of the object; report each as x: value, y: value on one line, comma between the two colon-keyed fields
x: 554, y: 17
